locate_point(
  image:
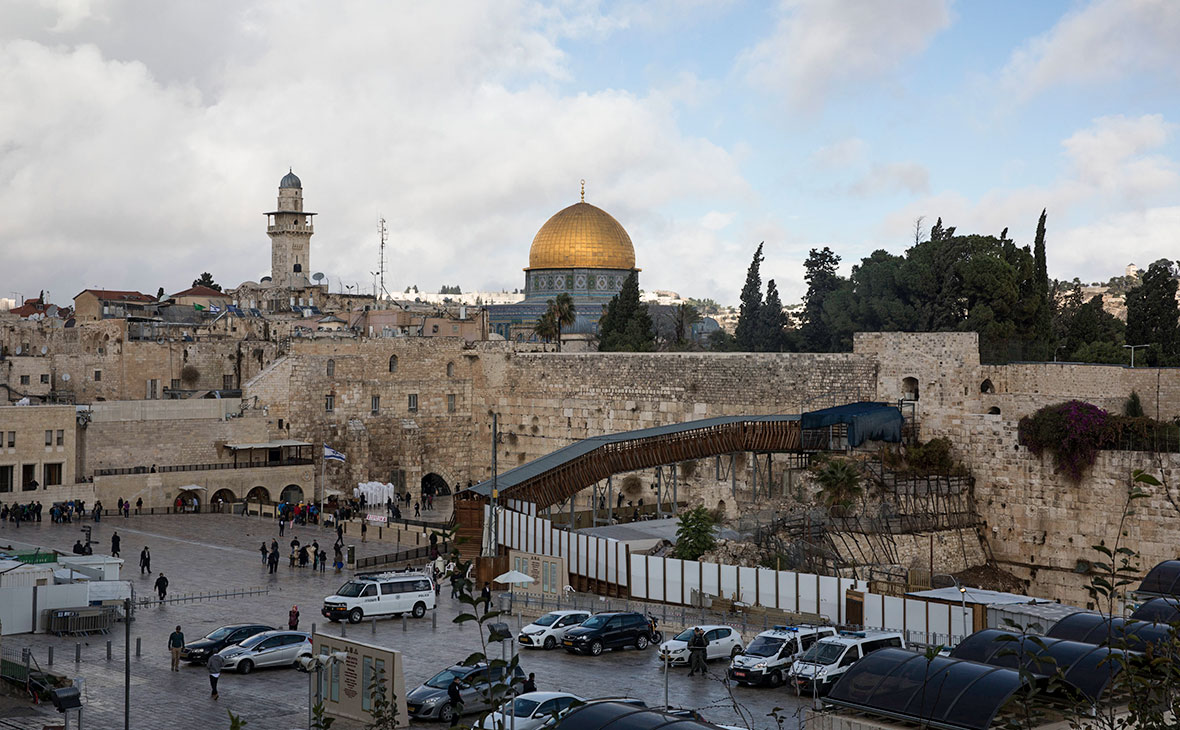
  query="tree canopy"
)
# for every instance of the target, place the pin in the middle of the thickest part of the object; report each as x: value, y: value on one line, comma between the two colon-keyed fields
x: 626, y: 326
x: 206, y: 279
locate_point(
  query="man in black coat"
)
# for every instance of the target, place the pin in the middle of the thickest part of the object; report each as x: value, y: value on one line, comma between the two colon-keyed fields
x: 162, y: 586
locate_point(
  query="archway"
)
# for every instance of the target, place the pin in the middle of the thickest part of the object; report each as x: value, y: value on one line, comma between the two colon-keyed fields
x: 987, y: 387
x: 909, y: 389
x: 190, y: 500
x: 258, y: 494
x: 993, y: 411
x: 292, y: 493
x: 434, y: 484
x: 223, y: 499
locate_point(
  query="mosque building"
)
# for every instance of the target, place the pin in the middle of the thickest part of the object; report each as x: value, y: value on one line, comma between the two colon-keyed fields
x: 581, y: 251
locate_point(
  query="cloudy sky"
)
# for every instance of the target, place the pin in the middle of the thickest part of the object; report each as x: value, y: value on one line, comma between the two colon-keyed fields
x: 140, y: 142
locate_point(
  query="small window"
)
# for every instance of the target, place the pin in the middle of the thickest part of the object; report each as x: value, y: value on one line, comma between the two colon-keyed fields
x: 329, y: 403
x: 11, y: 439
x: 176, y: 384
x: 413, y: 403
x: 434, y: 329
x: 52, y: 474
x: 49, y: 438
x: 227, y: 382
x: 987, y: 387
x: 98, y: 375
x: 24, y: 380
x: 450, y: 370
x: 387, y: 588
x: 331, y: 368
x: 370, y: 590
x: 450, y: 403
x: 849, y: 657
x: 393, y: 363
x: 809, y: 640
x: 280, y: 424
x: 61, y: 437
x: 45, y: 378
x: 375, y: 405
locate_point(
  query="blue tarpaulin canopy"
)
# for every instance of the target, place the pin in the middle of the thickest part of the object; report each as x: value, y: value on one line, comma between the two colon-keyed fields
x: 867, y: 421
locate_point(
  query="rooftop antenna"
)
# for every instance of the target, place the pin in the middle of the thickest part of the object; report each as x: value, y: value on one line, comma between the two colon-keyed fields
x: 384, y: 235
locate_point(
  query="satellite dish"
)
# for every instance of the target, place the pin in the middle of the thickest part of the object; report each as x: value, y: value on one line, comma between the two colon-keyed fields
x: 65, y: 377
x: 318, y: 276
x: 44, y: 349
x: 52, y: 311
x: 18, y: 350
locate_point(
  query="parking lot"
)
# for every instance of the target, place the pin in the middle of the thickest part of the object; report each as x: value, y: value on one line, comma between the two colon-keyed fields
x: 205, y: 553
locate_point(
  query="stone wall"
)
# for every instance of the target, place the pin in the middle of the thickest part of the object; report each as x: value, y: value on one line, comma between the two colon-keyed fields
x: 952, y: 550
x: 1022, y: 388
x: 130, y: 443
x: 40, y: 436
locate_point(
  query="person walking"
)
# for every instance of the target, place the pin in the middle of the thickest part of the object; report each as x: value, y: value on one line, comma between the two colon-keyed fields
x: 264, y: 552
x: 145, y: 561
x: 417, y: 511
x: 282, y: 526
x: 175, y: 644
x: 697, y: 647
x: 485, y: 595
x: 162, y: 586
x: 339, y: 532
x: 127, y: 509
x: 338, y: 554
x: 272, y: 560
x: 214, y: 664
x: 530, y: 684
x: 456, y: 700
x: 323, y: 560
x: 115, y: 545
x: 138, y: 505
x: 364, y: 530
x: 293, y: 618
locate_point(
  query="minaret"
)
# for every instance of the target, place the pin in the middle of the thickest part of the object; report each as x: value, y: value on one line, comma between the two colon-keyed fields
x: 290, y: 228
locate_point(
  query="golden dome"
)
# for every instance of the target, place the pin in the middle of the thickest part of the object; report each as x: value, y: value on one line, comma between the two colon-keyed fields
x: 582, y: 237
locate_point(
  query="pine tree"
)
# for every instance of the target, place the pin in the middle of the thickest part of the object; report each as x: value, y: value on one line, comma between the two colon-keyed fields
x: 772, y: 321
x: 1152, y: 315
x: 751, y: 308
x: 206, y: 279
x: 822, y: 280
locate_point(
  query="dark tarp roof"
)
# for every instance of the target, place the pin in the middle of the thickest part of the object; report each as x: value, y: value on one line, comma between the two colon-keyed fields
x: 625, y: 716
x: 1163, y: 580
x: 1087, y: 667
x: 1094, y: 628
x: 554, y: 459
x: 867, y: 421
x: 1159, y: 610
x: 940, y: 691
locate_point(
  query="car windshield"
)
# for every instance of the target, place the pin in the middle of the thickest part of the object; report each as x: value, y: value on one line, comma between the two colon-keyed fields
x: 221, y: 633
x: 442, y: 680
x: 351, y: 589
x: 252, y: 641
x: 685, y: 635
x: 764, y: 646
x: 595, y: 622
x: 547, y: 619
x: 823, y: 653
x: 523, y: 708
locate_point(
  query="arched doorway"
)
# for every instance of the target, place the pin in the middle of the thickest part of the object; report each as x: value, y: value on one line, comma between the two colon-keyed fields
x: 987, y: 387
x: 190, y: 500
x: 909, y: 389
x: 258, y: 494
x: 993, y: 411
x: 292, y: 493
x: 223, y: 499
x: 434, y: 484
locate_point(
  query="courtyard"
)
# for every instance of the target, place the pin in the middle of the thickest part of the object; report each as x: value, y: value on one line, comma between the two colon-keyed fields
x: 202, y: 553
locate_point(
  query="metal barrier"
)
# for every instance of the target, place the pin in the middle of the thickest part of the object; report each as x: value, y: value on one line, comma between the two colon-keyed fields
x: 206, y: 596
x: 399, y: 557
x: 82, y: 621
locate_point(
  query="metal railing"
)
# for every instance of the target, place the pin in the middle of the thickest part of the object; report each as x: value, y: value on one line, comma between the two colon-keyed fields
x: 398, y: 557
x: 144, y: 601
x: 201, y: 467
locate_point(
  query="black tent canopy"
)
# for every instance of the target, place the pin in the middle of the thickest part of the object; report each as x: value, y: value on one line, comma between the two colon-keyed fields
x: 1159, y: 610
x: 1094, y: 628
x: 1162, y: 580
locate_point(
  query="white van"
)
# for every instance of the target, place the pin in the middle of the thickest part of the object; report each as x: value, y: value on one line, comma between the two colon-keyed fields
x: 768, y: 658
x: 380, y: 594
x: 828, y: 659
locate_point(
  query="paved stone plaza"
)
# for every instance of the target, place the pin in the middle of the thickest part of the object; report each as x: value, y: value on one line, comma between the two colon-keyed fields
x: 208, y: 552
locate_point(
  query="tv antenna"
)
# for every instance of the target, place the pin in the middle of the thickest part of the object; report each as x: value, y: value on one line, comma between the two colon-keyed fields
x: 383, y: 233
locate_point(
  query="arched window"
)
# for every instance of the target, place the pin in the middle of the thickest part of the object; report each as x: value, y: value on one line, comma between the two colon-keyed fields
x: 298, y: 268
x: 393, y: 363
x: 450, y: 370
x: 909, y: 389
x: 987, y: 387
x: 993, y: 411
x: 331, y: 368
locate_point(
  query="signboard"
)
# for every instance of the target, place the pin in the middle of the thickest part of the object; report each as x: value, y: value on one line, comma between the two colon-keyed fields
x: 376, y: 518
x: 347, y: 684
x: 549, y: 573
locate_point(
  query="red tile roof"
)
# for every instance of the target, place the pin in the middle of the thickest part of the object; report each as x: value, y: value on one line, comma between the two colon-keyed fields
x: 200, y: 291
x: 115, y: 294
x: 36, y: 306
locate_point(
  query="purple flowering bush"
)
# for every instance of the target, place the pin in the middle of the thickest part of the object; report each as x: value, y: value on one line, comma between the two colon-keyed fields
x: 1074, y: 431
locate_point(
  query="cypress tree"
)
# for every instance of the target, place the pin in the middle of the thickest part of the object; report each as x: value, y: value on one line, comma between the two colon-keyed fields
x: 1044, y: 318
x: 773, y: 322
x: 750, y: 315
x: 627, y: 326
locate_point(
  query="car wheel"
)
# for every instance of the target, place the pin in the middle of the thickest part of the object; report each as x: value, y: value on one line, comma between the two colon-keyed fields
x: 446, y: 714
x: 737, y: 649
x: 776, y: 678
x: 550, y: 642
x: 595, y: 648
x: 355, y: 616
x: 641, y: 642
x: 245, y: 666
x: 419, y: 609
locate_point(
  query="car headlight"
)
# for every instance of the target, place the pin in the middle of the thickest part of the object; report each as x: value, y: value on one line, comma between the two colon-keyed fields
x: 760, y: 665
x: 538, y: 632
x: 821, y: 673
x: 430, y: 702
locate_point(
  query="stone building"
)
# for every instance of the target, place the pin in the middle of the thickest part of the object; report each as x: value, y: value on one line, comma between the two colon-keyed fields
x: 37, y: 450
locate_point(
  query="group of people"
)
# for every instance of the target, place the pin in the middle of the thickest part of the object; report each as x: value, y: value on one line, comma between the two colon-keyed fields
x: 61, y: 512
x: 125, y: 506
x: 302, y: 555
x: 301, y: 513
x: 18, y: 513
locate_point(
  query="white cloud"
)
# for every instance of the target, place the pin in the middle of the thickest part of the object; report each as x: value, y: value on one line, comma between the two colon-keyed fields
x: 819, y: 45
x: 893, y: 177
x: 715, y: 220
x: 1101, y: 42
x: 843, y: 152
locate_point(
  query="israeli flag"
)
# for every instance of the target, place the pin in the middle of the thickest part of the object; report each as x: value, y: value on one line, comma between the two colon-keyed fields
x: 214, y: 308
x: 332, y: 454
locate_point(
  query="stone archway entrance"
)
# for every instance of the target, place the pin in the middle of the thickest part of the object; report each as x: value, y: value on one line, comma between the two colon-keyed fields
x: 292, y: 493
x: 434, y: 484
x: 258, y: 494
x: 223, y: 499
x: 190, y: 500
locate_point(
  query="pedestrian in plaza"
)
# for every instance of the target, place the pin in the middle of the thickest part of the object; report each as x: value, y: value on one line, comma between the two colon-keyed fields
x: 214, y: 664
x: 417, y: 511
x: 120, y: 504
x: 323, y: 560
x: 338, y: 563
x: 138, y: 505
x: 315, y: 560
x: 293, y: 618
x: 115, y: 545
x: 282, y: 526
x: 339, y: 531
x: 145, y: 561
x: 37, y: 510
x: 272, y: 560
x: 162, y: 586
x: 530, y: 684
x: 175, y: 644
x: 263, y: 551
x: 364, y: 531
x: 127, y: 509
x: 485, y: 595
x: 697, y: 648
x: 274, y: 545
x: 456, y: 700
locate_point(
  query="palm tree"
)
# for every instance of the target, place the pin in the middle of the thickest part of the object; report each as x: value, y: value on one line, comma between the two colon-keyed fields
x: 839, y: 479
x: 546, y: 327
x: 564, y: 314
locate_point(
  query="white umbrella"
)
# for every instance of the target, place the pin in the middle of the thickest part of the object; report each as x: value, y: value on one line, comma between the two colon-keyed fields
x: 515, y: 576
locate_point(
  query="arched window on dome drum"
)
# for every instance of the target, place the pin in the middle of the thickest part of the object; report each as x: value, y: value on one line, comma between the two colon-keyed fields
x: 450, y: 370
x: 331, y: 368
x: 298, y: 268
x: 393, y: 363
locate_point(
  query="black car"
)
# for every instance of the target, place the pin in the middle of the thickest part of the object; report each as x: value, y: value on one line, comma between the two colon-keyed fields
x: 200, y: 650
x: 608, y: 631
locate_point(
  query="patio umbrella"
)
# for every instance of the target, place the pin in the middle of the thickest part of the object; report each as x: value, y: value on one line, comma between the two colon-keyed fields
x: 514, y: 576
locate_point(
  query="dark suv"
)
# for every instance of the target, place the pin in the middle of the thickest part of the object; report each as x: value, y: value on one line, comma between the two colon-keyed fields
x: 608, y: 631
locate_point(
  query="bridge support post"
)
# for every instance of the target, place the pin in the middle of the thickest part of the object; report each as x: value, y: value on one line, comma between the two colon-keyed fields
x: 733, y: 475
x: 610, y: 500
x: 675, y: 494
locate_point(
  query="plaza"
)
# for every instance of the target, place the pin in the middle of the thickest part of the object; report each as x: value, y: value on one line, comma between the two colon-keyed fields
x: 201, y: 553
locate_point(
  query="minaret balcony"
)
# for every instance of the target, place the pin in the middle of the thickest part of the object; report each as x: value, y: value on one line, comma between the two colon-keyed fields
x: 290, y: 228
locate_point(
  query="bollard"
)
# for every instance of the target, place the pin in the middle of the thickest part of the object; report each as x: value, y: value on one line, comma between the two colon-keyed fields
x: 433, y: 619
x: 519, y: 621
x: 108, y: 651
x: 313, y: 628
x: 50, y: 661
x: 77, y: 653
x: 138, y: 647
x: 403, y: 624
x: 343, y: 628
x: 374, y: 622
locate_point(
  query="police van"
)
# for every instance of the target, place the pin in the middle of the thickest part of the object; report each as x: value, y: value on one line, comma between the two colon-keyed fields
x: 380, y: 594
x: 828, y: 659
x: 768, y: 658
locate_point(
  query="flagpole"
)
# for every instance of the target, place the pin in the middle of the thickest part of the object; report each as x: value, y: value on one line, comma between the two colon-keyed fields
x: 323, y: 487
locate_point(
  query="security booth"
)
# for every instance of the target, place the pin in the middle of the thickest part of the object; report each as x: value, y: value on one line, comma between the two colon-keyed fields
x: 348, y: 671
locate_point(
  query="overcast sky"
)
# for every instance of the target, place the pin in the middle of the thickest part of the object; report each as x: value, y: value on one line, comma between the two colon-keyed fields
x: 141, y: 141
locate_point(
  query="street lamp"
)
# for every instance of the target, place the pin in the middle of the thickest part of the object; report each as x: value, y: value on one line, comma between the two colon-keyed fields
x: 962, y: 595
x: 318, y: 663
x: 1132, y: 349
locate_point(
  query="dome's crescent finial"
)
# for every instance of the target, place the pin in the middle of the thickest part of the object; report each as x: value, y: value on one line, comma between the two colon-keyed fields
x: 583, y: 190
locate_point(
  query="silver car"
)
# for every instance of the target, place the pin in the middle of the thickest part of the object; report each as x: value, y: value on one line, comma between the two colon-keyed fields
x: 268, y: 649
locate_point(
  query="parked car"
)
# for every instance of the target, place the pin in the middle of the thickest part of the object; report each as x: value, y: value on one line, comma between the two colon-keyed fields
x: 548, y: 631
x: 768, y: 658
x: 530, y: 710
x: 429, y: 700
x: 612, y: 630
x: 200, y: 650
x: 380, y: 594
x: 723, y: 641
x: 828, y: 659
x: 268, y: 649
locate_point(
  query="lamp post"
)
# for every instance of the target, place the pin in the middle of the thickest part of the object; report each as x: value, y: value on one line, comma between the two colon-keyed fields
x: 318, y: 663
x: 962, y: 596
x: 1132, y: 348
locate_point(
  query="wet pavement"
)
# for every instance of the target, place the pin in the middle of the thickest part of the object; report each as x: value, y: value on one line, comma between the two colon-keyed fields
x: 209, y: 553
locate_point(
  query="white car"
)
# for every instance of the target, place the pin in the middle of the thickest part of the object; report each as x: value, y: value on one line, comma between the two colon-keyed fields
x: 724, y: 643
x: 531, y: 709
x: 268, y: 649
x: 548, y: 631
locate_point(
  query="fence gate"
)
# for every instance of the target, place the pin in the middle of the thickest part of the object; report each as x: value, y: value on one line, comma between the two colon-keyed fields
x: 854, y: 607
